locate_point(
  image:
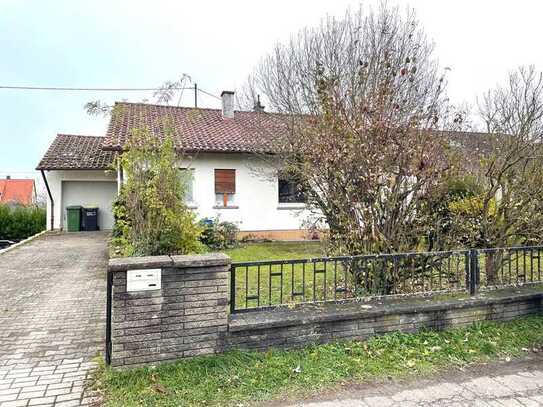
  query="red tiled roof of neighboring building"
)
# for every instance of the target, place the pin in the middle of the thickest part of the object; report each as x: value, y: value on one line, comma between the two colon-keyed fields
x: 20, y: 191
x: 75, y: 152
x: 196, y: 129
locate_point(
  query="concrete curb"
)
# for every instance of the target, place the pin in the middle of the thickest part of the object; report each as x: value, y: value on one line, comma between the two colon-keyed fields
x: 22, y: 242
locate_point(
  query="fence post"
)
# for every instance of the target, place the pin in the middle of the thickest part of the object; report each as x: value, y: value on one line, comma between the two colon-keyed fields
x: 109, y: 294
x: 467, y: 265
x: 473, y: 271
x: 232, y: 299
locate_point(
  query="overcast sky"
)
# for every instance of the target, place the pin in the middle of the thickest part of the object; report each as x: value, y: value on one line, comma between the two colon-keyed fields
x: 142, y: 44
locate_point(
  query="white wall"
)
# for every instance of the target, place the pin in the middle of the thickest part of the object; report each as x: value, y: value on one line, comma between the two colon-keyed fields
x: 99, y: 194
x: 55, y: 178
x: 256, y: 194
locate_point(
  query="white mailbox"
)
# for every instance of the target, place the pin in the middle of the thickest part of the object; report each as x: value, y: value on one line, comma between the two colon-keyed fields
x: 143, y: 280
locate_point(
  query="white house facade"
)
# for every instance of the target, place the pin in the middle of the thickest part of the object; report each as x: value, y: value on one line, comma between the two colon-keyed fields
x: 219, y: 151
x: 255, y: 206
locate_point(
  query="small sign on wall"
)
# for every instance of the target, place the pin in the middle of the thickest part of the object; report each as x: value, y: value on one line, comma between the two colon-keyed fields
x: 143, y: 280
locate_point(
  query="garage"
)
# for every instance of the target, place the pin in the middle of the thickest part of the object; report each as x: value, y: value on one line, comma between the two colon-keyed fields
x: 99, y: 194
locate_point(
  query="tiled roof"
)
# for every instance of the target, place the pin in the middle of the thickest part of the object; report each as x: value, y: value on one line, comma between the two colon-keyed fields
x: 196, y: 129
x: 472, y: 142
x: 193, y: 130
x: 17, y: 191
x: 205, y: 130
x: 73, y: 152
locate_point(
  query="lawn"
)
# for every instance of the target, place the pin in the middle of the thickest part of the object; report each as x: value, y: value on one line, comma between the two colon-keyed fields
x: 270, y: 285
x: 244, y: 378
x: 276, y: 251
x: 272, y: 290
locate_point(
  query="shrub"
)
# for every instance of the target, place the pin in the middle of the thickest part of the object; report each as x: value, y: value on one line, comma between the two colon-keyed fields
x: 218, y: 235
x: 20, y: 222
x: 151, y: 217
x: 437, y: 216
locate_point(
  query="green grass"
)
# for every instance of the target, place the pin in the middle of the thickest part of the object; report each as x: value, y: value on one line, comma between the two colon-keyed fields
x: 243, y: 378
x: 299, y: 284
x: 275, y: 251
x: 293, y: 275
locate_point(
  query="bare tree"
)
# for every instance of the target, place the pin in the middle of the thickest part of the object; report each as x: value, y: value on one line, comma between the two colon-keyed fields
x: 509, y: 209
x: 363, y: 95
x: 164, y: 94
x: 170, y: 89
x: 512, y: 170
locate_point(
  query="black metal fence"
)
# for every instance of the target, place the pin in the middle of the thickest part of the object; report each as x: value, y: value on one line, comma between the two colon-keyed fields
x: 267, y: 284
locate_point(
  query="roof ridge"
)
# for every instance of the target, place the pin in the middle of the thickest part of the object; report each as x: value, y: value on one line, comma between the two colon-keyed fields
x: 195, y: 108
x: 168, y: 106
x: 79, y: 135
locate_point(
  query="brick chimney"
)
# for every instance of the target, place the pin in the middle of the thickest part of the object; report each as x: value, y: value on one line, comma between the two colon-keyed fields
x: 227, y: 97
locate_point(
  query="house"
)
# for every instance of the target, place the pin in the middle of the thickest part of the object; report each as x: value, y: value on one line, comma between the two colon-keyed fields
x: 220, y: 148
x: 17, y: 191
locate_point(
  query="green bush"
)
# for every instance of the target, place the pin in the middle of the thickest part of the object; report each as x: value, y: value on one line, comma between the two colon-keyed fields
x: 20, y: 222
x: 151, y: 217
x: 437, y: 216
x: 218, y: 235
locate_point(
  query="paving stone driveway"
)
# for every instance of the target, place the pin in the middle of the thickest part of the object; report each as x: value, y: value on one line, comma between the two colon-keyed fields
x: 52, y: 318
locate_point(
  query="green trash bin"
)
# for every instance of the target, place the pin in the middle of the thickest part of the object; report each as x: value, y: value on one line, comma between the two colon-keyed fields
x: 74, y: 218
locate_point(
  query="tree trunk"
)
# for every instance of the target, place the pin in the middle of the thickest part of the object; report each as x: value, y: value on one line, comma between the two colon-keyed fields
x: 493, y: 264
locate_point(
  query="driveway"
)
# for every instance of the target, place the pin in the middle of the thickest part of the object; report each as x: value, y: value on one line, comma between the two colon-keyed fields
x: 52, y: 318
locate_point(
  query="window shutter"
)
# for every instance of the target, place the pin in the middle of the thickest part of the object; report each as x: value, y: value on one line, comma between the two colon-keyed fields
x: 225, y: 181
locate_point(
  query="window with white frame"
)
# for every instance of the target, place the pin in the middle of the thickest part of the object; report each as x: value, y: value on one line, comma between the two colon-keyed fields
x: 187, y: 178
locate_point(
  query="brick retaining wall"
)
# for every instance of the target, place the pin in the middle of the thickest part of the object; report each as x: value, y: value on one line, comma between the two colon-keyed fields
x: 188, y: 316
x: 336, y: 322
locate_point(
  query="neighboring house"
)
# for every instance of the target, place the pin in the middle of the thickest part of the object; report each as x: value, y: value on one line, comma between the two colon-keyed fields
x: 221, y: 149
x: 17, y: 191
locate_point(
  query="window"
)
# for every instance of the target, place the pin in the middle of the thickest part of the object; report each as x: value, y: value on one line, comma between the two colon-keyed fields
x: 290, y: 191
x: 225, y: 187
x: 187, y: 177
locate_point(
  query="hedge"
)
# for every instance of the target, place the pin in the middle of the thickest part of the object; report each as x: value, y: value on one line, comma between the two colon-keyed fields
x: 20, y: 222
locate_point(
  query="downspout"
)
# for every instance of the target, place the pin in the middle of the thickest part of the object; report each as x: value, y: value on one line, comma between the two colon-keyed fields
x: 120, y: 177
x: 50, y: 198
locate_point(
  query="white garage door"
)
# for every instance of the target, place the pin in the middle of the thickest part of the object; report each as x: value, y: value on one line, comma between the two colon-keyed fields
x: 90, y: 193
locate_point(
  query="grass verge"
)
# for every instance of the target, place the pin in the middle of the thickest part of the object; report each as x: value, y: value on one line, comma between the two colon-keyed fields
x: 242, y: 378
